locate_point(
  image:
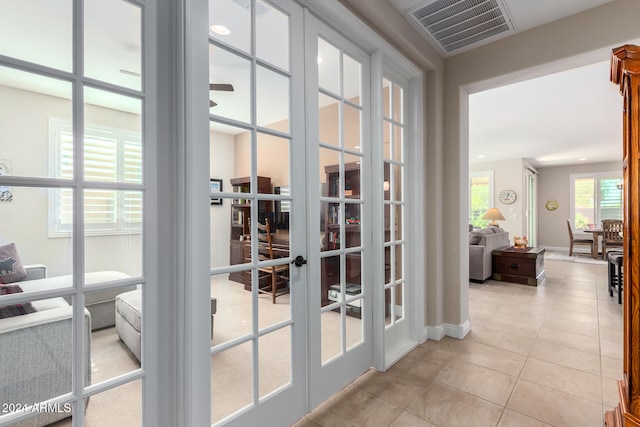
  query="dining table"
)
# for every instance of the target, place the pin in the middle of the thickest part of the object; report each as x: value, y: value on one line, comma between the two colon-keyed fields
x: 595, y: 246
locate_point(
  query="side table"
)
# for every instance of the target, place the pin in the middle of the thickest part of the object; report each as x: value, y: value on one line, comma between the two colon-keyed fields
x: 516, y: 265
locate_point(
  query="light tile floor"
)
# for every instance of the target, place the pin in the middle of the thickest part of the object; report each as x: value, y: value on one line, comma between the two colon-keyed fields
x: 536, y: 356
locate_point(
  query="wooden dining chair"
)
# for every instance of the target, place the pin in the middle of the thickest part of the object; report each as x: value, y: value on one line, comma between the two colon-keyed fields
x: 574, y: 241
x: 276, y: 276
x: 611, y: 235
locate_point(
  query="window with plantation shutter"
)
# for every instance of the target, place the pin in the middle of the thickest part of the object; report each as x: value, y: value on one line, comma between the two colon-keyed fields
x: 109, y: 156
x: 595, y: 197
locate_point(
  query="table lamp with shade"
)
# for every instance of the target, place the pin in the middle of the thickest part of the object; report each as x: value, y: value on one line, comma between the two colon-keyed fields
x: 493, y: 214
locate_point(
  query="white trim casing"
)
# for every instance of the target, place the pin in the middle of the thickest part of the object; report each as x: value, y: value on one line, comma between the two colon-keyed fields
x: 447, y: 329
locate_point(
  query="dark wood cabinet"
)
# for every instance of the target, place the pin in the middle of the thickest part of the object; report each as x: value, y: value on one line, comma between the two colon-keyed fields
x: 625, y: 72
x: 241, y: 220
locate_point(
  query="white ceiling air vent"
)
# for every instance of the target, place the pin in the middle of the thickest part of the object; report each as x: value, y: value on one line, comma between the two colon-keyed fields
x: 453, y: 25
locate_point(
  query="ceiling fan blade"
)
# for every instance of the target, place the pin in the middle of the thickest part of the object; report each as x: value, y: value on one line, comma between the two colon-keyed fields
x: 226, y: 87
x: 212, y: 103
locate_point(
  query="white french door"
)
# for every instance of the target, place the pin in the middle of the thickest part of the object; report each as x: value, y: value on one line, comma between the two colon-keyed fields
x: 275, y: 357
x: 258, y: 213
x: 397, y: 291
x: 339, y: 221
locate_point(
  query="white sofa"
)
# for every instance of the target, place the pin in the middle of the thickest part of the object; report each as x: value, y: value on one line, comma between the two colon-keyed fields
x: 36, y: 348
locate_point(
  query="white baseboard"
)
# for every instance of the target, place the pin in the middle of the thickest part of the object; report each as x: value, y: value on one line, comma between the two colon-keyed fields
x: 447, y: 329
x: 435, y: 333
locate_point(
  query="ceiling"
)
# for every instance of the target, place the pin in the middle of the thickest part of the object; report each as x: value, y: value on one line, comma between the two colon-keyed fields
x: 550, y: 120
x: 565, y: 118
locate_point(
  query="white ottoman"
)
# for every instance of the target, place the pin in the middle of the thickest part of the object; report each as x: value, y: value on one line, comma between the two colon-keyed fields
x: 129, y: 320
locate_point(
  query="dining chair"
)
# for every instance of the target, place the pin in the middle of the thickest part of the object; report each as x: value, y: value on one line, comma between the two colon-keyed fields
x: 611, y: 235
x: 574, y: 241
x: 276, y: 276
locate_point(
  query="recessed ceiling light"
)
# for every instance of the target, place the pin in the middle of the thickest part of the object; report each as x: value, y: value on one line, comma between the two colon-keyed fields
x: 320, y: 59
x: 480, y: 156
x: 357, y: 147
x: 582, y: 159
x: 220, y: 30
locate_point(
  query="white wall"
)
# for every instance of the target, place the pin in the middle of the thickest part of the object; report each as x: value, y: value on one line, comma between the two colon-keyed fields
x: 221, y: 165
x: 24, y: 123
x: 553, y: 182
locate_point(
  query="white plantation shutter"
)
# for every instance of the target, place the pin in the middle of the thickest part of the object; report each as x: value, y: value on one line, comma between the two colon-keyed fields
x: 594, y: 197
x: 109, y: 156
x: 610, y: 198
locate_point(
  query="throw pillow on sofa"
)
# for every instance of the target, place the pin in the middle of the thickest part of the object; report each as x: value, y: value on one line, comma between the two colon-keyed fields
x: 16, y: 309
x: 11, y: 268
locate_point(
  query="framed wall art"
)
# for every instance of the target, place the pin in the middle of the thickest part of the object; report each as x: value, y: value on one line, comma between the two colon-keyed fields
x: 215, y: 187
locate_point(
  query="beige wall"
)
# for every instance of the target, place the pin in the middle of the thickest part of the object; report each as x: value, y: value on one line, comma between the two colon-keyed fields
x: 387, y: 21
x: 554, y: 183
x: 24, y: 121
x: 507, y: 175
x: 578, y: 40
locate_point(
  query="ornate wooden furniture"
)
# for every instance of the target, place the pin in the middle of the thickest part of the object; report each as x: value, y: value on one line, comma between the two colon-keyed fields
x: 611, y: 235
x: 625, y: 72
x: 524, y: 266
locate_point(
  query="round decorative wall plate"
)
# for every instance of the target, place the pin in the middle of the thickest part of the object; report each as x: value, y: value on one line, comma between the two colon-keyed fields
x: 551, y: 205
x: 507, y: 197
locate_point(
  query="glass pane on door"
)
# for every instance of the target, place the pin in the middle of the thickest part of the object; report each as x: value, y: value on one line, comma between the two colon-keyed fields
x: 342, y: 207
x: 113, y: 57
x: 78, y: 214
x: 394, y: 168
x: 252, y: 163
x: 44, y: 38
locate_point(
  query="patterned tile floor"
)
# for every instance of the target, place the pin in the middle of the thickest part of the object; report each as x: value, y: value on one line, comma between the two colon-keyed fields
x: 536, y: 356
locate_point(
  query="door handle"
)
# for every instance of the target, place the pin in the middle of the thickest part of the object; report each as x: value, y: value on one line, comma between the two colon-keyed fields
x: 299, y: 261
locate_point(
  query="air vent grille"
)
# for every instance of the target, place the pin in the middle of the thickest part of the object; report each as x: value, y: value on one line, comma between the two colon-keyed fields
x: 455, y: 24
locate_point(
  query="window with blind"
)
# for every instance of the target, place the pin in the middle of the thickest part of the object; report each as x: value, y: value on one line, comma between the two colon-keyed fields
x: 110, y: 155
x: 595, y: 197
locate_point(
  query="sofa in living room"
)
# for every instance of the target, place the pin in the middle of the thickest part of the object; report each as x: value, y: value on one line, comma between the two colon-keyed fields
x: 481, y: 245
x: 36, y: 340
